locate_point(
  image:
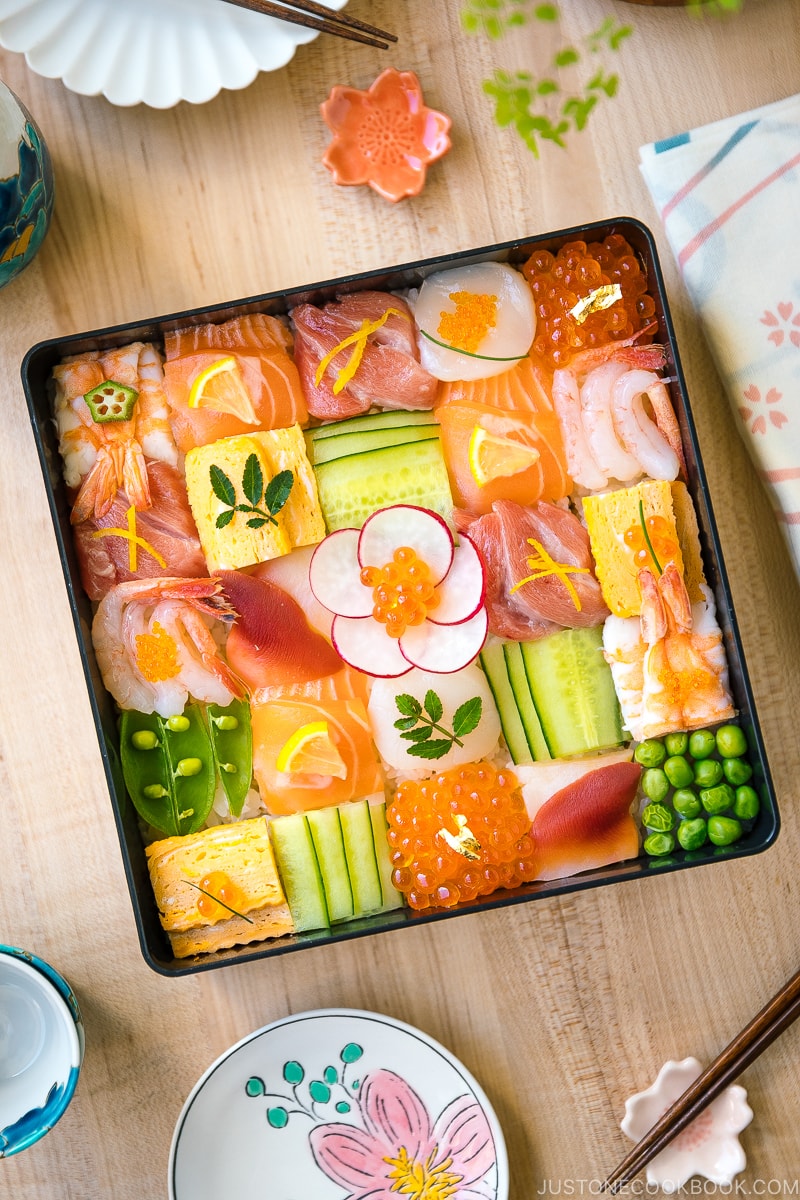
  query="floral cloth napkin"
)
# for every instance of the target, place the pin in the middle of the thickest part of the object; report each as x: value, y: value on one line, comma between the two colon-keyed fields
x: 729, y: 197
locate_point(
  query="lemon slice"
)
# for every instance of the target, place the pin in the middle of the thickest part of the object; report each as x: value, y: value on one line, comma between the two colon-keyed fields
x: 311, y: 751
x: 220, y: 386
x: 492, y: 457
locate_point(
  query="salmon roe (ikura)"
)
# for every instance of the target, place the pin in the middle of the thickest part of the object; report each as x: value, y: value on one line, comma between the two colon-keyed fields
x: 218, y: 895
x: 662, y: 539
x: 461, y: 834
x: 403, y: 592
x: 559, y: 281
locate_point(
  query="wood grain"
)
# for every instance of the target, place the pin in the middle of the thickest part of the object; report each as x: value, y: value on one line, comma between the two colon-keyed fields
x: 564, y: 1007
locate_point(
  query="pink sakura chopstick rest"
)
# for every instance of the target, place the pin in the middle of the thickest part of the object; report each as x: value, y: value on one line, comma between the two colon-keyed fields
x: 384, y: 137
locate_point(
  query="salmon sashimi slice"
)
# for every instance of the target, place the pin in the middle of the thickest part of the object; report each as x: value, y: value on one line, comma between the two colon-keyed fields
x: 588, y: 823
x: 276, y: 721
x: 346, y: 684
x: 525, y: 387
x: 516, y: 405
x: 388, y: 374
x: 271, y: 643
x: 539, y: 569
x: 260, y: 345
x: 167, y: 528
x: 546, y: 479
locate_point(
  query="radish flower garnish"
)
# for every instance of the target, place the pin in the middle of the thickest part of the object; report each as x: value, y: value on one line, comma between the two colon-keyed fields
x: 402, y: 592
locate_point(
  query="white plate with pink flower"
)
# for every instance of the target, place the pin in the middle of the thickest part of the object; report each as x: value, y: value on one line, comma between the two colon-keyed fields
x: 338, y: 1104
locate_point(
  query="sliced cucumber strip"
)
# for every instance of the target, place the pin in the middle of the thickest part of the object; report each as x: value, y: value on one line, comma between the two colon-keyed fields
x: 389, y: 893
x: 379, y: 420
x: 299, y: 871
x: 520, y: 686
x: 359, y: 847
x: 352, y: 488
x: 326, y: 833
x: 493, y: 662
x: 379, y: 439
x: 573, y: 692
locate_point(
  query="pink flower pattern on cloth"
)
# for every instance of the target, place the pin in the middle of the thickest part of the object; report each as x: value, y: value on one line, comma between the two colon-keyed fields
x: 401, y: 1151
x: 729, y: 197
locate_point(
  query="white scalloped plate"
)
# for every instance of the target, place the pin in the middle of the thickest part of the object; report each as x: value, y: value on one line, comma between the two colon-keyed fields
x: 336, y: 1104
x: 154, y: 52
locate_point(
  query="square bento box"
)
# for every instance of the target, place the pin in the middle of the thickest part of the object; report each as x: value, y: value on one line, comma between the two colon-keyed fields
x: 761, y: 823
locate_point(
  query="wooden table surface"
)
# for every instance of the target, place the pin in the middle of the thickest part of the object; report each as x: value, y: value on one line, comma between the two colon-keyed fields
x: 561, y: 1008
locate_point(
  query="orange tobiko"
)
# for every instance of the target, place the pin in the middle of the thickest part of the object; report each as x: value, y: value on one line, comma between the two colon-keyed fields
x: 384, y: 137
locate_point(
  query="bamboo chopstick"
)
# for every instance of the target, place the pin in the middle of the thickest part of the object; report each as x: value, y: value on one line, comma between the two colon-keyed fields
x: 775, y: 1017
x: 317, y: 16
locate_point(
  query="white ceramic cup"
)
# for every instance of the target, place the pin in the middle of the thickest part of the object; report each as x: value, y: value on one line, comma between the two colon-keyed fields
x: 41, y: 1048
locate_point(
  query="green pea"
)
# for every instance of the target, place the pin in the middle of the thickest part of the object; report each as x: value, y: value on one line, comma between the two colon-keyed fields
x: 228, y: 768
x: 225, y: 722
x: 678, y: 771
x: 178, y: 724
x: 702, y: 743
x: 717, y: 799
x: 708, y: 772
x: 655, y: 785
x: 723, y: 831
x: 676, y: 743
x: 154, y: 791
x: 731, y: 741
x: 650, y: 753
x: 145, y: 739
x: 659, y: 844
x: 188, y: 767
x: 737, y: 770
x: 746, y: 804
x: 687, y: 803
x: 657, y: 817
x: 693, y: 834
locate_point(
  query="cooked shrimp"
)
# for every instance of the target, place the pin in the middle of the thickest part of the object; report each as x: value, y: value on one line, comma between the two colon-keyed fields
x: 155, y: 647
x: 650, y: 358
x: 639, y: 433
x: 596, y: 411
x: 683, y: 686
x: 101, y: 457
x: 581, y: 462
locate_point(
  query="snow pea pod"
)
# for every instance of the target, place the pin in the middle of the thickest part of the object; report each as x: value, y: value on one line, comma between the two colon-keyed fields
x: 168, y: 766
x: 232, y: 742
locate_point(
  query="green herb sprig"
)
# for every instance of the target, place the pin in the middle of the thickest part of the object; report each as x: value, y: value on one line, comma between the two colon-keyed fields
x: 273, y: 497
x: 417, y: 723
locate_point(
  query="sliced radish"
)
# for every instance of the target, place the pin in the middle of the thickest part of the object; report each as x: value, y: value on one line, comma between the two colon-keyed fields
x: 461, y: 593
x: 366, y: 645
x: 334, y: 575
x: 407, y: 525
x: 444, y: 648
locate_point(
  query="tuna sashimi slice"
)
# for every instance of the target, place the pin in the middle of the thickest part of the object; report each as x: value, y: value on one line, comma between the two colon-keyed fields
x: 271, y: 641
x: 167, y: 526
x: 389, y: 373
x: 588, y: 823
x: 539, y: 569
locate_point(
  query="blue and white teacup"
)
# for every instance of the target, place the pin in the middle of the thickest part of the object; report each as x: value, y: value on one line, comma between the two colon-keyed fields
x: 26, y: 186
x: 41, y: 1048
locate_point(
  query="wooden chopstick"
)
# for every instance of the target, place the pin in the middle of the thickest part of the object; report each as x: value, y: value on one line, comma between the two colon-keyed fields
x: 325, y: 20
x: 775, y: 1017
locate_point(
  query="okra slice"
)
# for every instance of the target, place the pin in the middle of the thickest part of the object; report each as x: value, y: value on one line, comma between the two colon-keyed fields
x: 111, y: 401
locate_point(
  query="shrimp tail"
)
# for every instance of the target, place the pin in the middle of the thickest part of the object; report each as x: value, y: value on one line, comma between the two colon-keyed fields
x: 134, y: 476
x: 667, y: 421
x: 676, y: 598
x: 208, y: 650
x: 97, y: 491
x: 653, y: 616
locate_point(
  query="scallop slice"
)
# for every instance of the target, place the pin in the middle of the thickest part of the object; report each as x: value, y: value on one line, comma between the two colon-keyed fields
x: 500, y: 295
x: 453, y: 691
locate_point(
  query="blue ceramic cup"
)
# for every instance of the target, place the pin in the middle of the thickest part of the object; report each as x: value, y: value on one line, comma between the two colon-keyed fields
x: 41, y: 1048
x: 26, y: 186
